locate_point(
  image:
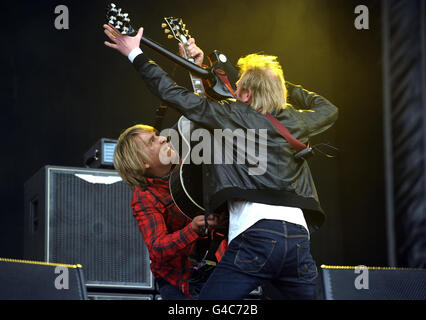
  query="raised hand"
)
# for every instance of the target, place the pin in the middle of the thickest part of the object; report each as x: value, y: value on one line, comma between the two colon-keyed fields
x: 193, y: 51
x: 122, y: 43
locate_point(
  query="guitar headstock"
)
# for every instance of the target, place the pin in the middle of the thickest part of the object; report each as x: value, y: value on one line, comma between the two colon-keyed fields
x: 175, y: 28
x: 119, y: 20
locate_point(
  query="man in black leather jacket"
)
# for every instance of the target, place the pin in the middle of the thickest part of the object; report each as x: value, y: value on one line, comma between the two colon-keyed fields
x: 272, y: 202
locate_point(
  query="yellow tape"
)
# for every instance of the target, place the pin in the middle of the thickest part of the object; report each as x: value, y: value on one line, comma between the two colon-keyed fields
x: 370, y: 268
x: 74, y: 266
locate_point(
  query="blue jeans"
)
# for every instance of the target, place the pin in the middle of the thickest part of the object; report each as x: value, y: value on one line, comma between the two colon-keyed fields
x: 171, y: 292
x: 270, y: 250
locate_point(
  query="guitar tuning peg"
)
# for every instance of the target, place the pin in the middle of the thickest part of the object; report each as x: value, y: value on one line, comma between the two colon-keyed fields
x: 112, y: 20
x: 166, y: 31
x: 113, y: 9
x: 169, y: 36
x: 163, y: 25
x: 118, y: 25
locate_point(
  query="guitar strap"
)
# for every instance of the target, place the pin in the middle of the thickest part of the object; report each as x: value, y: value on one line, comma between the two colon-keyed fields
x: 295, y: 144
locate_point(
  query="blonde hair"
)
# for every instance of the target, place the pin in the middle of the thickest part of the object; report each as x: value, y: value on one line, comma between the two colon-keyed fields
x: 130, y: 158
x: 263, y: 75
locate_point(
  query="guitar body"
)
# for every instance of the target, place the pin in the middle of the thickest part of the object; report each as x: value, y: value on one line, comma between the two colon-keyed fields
x: 186, y: 185
x: 223, y: 84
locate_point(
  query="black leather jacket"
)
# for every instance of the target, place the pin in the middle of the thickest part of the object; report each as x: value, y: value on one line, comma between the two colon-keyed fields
x: 286, y: 181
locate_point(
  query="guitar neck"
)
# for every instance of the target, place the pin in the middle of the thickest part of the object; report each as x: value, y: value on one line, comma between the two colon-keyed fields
x: 197, y: 82
x: 193, y: 68
x: 197, y: 85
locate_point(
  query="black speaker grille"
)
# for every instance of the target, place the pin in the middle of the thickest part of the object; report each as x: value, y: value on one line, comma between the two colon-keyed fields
x: 32, y: 280
x: 383, y: 284
x: 92, y: 224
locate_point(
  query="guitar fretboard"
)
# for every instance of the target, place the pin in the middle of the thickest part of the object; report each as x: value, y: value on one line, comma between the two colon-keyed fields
x: 197, y: 83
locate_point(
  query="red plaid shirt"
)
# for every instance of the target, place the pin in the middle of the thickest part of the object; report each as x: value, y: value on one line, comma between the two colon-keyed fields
x: 166, y: 231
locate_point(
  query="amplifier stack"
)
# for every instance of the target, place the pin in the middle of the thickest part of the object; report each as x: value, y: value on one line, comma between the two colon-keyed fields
x: 83, y: 216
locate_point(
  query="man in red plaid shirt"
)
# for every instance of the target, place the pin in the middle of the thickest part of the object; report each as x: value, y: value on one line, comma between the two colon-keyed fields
x: 169, y: 235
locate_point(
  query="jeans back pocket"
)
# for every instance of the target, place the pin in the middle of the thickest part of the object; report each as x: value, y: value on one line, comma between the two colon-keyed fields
x: 254, y: 252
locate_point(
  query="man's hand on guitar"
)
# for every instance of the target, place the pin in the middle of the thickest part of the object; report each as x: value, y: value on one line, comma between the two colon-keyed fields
x: 192, y: 51
x: 122, y: 43
x: 198, y: 223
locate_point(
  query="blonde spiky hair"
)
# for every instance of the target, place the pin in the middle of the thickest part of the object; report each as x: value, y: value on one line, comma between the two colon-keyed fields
x: 263, y: 75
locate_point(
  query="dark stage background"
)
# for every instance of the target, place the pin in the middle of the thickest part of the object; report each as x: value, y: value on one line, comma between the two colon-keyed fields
x: 62, y: 90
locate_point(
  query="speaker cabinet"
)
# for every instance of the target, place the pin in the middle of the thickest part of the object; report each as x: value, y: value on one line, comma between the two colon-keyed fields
x: 366, y: 283
x: 83, y: 216
x: 32, y: 280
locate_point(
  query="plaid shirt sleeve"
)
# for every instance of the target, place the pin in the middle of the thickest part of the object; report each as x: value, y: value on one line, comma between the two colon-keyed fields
x: 161, y: 244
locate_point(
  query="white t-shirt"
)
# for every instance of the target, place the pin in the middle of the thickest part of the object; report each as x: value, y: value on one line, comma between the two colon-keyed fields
x: 244, y: 214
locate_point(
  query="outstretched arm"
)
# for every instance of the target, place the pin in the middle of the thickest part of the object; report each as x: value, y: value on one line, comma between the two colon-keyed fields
x: 126, y: 44
x: 206, y: 112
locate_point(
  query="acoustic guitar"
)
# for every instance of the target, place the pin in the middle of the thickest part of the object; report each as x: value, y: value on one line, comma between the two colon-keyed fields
x: 186, y: 186
x: 218, y: 82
